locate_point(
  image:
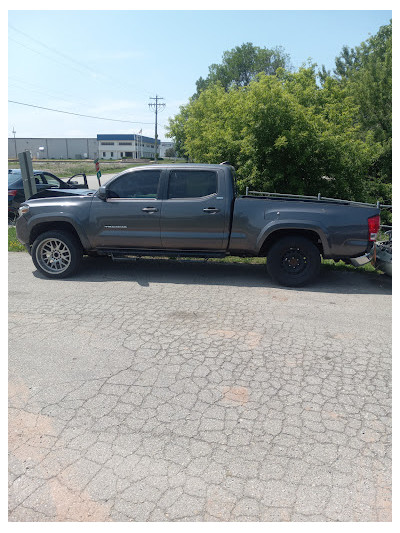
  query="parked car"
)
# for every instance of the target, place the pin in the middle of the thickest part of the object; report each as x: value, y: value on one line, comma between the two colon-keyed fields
x: 47, y: 184
x: 193, y: 210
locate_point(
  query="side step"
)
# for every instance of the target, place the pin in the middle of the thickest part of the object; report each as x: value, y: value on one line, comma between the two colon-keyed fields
x: 133, y: 255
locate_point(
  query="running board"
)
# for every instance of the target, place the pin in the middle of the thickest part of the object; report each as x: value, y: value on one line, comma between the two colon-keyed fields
x: 133, y: 255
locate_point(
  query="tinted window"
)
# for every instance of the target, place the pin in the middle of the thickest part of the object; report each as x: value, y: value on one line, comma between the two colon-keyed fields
x: 140, y: 184
x: 192, y: 183
x: 13, y: 178
x: 50, y: 180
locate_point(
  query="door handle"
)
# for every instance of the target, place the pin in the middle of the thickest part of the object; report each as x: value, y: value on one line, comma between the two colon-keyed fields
x: 211, y: 210
x: 150, y: 209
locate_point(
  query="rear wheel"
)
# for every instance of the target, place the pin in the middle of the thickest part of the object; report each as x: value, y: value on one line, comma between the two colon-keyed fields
x: 57, y: 254
x: 293, y: 261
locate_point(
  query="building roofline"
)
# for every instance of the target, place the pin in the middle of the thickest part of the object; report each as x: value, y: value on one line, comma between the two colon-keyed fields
x: 125, y: 137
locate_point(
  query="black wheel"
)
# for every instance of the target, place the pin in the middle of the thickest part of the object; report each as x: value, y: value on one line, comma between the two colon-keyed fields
x: 57, y: 254
x: 293, y: 261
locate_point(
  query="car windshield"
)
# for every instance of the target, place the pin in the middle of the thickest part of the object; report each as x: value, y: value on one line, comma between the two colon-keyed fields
x: 13, y: 178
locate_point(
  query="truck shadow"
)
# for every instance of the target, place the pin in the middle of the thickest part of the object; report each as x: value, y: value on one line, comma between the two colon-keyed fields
x: 200, y: 272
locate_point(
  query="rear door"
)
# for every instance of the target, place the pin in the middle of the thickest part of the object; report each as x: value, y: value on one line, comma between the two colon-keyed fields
x: 130, y: 217
x: 195, y: 210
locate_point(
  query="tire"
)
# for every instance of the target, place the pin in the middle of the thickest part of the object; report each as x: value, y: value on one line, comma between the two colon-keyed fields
x: 293, y: 261
x: 57, y: 254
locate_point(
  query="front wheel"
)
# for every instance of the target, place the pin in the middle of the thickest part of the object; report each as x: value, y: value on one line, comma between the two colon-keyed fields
x: 57, y: 254
x: 293, y: 261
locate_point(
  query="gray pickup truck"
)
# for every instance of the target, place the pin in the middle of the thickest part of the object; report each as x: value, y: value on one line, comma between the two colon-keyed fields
x: 193, y: 210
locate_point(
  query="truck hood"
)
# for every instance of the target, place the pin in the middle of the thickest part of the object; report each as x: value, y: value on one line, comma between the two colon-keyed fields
x: 74, y: 197
x: 51, y: 193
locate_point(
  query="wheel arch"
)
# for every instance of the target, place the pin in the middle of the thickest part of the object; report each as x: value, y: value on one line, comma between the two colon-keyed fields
x: 277, y: 234
x: 61, y: 225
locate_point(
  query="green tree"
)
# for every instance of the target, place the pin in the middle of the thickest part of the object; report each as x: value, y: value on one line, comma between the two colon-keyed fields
x: 176, y: 130
x: 366, y: 72
x: 284, y: 133
x: 170, y: 152
x: 240, y: 65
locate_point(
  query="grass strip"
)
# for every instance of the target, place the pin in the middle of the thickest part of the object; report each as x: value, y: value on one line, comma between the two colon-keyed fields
x: 13, y: 243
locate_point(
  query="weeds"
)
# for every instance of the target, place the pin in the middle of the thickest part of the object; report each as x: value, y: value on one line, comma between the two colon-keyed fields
x: 13, y: 244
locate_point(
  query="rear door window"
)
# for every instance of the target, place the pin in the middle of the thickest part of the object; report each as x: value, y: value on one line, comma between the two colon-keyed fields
x: 192, y: 183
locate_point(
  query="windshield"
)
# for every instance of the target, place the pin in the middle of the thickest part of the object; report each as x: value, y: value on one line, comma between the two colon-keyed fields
x: 13, y: 178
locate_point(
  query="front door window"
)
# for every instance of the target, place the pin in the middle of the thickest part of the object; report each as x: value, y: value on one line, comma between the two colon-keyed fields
x: 139, y: 184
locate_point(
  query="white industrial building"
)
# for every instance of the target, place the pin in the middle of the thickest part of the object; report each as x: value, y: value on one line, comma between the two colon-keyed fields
x: 131, y: 146
x: 164, y: 147
x: 105, y: 146
x: 53, y: 148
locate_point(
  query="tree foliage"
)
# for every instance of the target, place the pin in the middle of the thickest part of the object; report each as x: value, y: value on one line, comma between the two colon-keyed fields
x: 240, y: 66
x: 296, y: 132
x: 283, y: 133
x: 366, y: 72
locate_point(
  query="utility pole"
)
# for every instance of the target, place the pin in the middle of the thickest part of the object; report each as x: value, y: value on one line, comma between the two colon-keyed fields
x: 156, y: 106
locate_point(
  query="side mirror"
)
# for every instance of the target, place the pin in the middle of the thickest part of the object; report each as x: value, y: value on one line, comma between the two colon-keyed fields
x: 102, y: 193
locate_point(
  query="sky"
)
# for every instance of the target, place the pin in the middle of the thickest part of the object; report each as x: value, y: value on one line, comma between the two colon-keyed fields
x: 109, y: 64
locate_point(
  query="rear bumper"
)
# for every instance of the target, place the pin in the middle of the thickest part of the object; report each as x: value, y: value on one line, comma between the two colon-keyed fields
x: 362, y: 259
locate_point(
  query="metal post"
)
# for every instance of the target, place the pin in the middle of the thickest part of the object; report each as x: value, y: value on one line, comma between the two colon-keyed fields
x: 28, y: 179
x: 155, y: 107
x: 15, y: 142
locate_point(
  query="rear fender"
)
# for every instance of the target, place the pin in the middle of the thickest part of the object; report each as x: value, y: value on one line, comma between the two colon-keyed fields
x: 271, y: 230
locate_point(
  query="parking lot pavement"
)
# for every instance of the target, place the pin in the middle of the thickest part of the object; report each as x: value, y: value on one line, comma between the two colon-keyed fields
x: 190, y: 391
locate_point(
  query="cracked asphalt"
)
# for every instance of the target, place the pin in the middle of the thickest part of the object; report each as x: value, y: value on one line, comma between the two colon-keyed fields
x: 193, y: 391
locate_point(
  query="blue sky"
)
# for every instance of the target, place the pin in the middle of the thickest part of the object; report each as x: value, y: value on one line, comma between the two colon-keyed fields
x: 109, y: 63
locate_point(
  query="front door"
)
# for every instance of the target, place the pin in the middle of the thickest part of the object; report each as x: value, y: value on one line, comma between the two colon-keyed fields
x: 130, y: 217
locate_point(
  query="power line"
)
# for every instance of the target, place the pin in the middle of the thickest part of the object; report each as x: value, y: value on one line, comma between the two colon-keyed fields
x: 48, y: 57
x: 26, y: 85
x: 52, y: 49
x: 77, y: 114
x: 23, y: 88
x: 91, y: 70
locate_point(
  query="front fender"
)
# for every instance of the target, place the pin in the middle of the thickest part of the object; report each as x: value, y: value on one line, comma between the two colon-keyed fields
x: 35, y: 220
